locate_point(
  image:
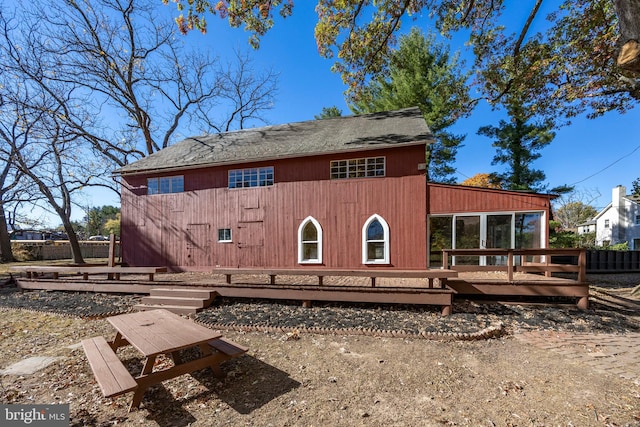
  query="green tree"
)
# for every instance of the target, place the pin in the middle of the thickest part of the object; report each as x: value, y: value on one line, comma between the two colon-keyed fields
x: 518, y: 144
x: 423, y: 73
x: 587, y: 57
x: 97, y: 218
x: 328, y: 113
x: 635, y: 187
x: 112, y: 225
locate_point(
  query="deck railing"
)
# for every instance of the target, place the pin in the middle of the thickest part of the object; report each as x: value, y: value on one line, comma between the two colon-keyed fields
x: 512, y: 260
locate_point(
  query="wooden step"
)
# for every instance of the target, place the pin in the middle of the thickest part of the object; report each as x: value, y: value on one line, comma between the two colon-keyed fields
x: 178, y: 309
x: 176, y: 301
x: 204, y: 293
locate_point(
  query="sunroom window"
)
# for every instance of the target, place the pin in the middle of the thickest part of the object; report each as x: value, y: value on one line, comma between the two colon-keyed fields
x: 310, y: 241
x: 375, y: 241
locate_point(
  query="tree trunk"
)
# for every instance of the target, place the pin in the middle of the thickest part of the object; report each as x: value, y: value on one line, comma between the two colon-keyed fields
x: 628, y: 12
x: 73, y: 241
x: 6, y: 252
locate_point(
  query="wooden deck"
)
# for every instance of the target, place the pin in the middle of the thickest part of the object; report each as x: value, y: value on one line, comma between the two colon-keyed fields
x: 533, y: 277
x: 516, y: 276
x: 426, y: 287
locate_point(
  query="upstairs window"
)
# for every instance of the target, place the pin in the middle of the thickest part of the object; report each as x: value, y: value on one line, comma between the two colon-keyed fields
x: 358, y: 168
x: 254, y: 177
x: 310, y: 242
x: 637, y: 219
x: 165, y: 185
x: 606, y: 223
x: 375, y: 241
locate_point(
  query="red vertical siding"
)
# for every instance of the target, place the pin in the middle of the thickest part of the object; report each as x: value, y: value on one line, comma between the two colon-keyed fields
x: 445, y: 199
x: 265, y: 222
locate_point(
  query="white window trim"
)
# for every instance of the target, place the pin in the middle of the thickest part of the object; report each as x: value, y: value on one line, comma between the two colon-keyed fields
x: 301, y: 259
x: 230, y: 240
x: 385, y: 228
x: 349, y: 168
x: 158, y: 180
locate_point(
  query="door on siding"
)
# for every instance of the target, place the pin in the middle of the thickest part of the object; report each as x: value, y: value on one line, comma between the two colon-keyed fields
x: 498, y: 236
x: 198, y: 245
x: 467, y: 236
x: 251, y: 244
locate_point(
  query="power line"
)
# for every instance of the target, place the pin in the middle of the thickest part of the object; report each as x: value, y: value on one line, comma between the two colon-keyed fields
x: 607, y: 167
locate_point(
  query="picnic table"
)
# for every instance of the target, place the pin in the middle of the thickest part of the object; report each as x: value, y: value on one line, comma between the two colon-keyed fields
x: 154, y: 333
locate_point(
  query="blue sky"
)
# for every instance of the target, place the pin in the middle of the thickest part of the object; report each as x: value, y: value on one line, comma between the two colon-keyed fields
x: 595, y: 155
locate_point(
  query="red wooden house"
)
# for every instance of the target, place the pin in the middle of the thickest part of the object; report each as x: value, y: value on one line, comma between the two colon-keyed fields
x: 346, y: 192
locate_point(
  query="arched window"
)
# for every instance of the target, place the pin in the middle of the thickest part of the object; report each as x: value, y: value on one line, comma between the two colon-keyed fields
x: 375, y: 241
x: 310, y: 241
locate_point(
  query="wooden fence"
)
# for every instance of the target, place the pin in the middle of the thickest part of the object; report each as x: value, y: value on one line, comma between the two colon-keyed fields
x: 613, y: 261
x: 595, y: 261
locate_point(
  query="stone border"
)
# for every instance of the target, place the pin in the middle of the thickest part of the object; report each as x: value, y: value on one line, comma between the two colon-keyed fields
x: 493, y: 331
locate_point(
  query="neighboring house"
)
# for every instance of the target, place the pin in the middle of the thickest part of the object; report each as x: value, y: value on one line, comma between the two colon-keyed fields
x: 619, y: 221
x: 345, y: 192
x: 587, y: 227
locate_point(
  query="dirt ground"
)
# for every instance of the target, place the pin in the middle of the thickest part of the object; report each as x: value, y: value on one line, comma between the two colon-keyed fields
x: 326, y: 380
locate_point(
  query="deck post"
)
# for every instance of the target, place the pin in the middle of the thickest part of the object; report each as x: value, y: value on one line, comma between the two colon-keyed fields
x: 320, y: 280
x: 446, y: 310
x: 272, y: 279
x: 111, y: 262
x: 547, y: 260
x: 582, y: 265
x: 445, y: 259
x: 510, y: 266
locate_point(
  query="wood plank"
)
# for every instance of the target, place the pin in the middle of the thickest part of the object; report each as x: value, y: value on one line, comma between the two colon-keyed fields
x: 160, y: 331
x: 373, y: 272
x: 228, y: 347
x: 347, y: 294
x: 112, y: 376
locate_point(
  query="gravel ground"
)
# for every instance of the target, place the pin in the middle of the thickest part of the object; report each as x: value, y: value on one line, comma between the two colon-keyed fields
x: 469, y: 316
x: 348, y: 373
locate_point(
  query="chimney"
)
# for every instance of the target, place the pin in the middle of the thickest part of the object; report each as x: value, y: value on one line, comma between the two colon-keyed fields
x: 618, y: 226
x: 616, y: 197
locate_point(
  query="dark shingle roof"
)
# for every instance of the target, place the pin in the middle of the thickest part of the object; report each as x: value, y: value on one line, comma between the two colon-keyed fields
x: 315, y: 137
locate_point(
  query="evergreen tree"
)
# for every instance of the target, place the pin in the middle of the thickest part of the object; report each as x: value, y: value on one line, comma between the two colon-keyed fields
x: 328, y: 113
x: 423, y: 73
x: 635, y: 187
x: 518, y: 144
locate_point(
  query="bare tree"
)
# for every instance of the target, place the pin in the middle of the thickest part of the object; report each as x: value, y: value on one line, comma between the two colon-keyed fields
x: 9, y: 181
x: 46, y: 151
x: 574, y: 208
x: 137, y: 72
x: 113, y: 83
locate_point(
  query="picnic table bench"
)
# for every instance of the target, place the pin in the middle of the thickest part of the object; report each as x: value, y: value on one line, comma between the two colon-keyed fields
x: 113, y: 273
x: 153, y: 333
x: 373, y: 274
